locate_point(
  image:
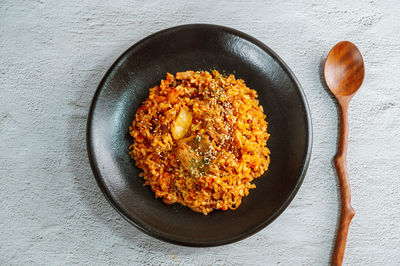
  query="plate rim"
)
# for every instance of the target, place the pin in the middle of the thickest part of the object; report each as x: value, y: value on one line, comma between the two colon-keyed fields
x: 98, y: 176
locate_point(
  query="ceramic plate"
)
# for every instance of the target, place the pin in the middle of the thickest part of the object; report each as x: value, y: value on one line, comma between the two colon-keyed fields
x: 198, y: 47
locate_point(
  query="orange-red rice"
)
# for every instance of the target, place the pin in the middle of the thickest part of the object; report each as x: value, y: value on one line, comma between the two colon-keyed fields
x: 231, y: 133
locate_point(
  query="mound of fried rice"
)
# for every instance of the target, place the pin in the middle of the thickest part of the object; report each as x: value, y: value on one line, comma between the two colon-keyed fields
x: 200, y: 139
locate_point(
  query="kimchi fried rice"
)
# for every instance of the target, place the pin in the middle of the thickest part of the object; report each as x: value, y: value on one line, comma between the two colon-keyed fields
x: 200, y: 139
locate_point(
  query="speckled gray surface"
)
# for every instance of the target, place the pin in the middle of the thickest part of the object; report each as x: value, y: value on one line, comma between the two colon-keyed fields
x: 53, y: 55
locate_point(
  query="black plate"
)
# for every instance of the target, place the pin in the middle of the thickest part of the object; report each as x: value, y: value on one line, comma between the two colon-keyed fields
x: 198, y: 47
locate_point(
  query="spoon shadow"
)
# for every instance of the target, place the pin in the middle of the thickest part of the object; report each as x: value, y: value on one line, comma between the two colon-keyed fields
x: 325, y: 86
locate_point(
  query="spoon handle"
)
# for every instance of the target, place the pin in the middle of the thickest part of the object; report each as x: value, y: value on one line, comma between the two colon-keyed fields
x: 347, y: 212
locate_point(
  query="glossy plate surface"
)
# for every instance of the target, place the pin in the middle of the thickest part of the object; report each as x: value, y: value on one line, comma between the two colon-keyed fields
x: 198, y: 47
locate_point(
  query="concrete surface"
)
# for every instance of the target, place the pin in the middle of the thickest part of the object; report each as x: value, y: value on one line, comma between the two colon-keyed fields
x: 54, y: 53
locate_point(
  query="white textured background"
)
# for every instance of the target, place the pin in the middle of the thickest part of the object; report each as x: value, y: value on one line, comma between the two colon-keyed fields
x: 54, y: 53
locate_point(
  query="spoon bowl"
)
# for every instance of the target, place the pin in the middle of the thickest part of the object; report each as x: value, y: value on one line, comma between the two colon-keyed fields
x: 344, y: 69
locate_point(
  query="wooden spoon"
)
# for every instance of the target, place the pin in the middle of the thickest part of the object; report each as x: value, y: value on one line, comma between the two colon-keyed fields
x: 344, y: 74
